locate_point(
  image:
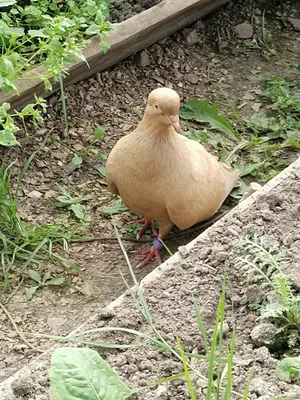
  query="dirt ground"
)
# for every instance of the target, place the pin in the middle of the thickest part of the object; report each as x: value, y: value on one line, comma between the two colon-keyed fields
x: 215, y: 64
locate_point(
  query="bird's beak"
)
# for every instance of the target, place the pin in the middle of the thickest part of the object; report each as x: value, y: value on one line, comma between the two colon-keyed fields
x: 174, y: 119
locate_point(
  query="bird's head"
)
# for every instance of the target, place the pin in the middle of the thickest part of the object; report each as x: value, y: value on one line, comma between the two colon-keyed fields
x: 163, y: 105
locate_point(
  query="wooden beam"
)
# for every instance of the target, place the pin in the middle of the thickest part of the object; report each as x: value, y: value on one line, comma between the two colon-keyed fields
x: 132, y: 35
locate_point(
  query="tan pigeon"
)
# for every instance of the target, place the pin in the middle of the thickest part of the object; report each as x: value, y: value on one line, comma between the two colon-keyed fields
x: 164, y: 176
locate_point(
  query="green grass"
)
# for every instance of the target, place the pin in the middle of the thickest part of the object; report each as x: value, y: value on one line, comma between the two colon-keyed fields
x: 24, y: 245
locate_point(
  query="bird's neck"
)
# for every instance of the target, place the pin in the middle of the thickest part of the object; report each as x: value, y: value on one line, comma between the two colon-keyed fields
x: 150, y: 126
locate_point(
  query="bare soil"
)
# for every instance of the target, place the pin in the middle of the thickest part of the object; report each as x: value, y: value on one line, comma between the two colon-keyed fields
x: 217, y: 63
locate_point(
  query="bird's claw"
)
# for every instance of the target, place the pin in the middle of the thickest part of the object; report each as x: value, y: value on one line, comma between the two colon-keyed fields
x: 152, y: 252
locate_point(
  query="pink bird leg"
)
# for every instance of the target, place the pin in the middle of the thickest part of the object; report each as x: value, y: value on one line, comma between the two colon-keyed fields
x: 154, y: 251
x: 146, y: 222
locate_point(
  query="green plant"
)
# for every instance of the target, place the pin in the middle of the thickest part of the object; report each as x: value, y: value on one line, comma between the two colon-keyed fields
x: 199, y: 111
x: 23, y: 244
x: 41, y: 281
x: 288, y: 369
x: 8, y: 128
x: 98, y: 135
x: 266, y: 265
x: 73, y: 204
x: 219, y: 379
x: 49, y: 34
x: 83, y: 374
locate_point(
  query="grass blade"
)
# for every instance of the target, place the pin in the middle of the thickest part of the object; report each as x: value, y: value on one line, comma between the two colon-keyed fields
x: 186, y: 369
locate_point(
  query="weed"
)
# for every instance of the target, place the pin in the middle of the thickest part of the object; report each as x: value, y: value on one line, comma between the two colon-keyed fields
x: 98, y: 135
x: 47, y: 33
x: 23, y: 244
x: 41, y: 281
x: 73, y: 204
x: 266, y: 264
x: 271, y: 139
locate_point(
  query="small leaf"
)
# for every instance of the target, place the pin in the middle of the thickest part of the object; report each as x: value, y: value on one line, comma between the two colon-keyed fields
x: 200, y: 111
x: 77, y: 160
x: 30, y: 292
x: 35, y: 275
x: 8, y: 139
x: 102, y: 171
x: 78, y: 210
x: 58, y: 280
x: 117, y: 208
x: 288, y: 368
x: 98, y: 133
x: 82, y: 374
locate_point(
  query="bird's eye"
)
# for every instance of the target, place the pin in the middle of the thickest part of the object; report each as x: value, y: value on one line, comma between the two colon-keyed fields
x: 156, y: 106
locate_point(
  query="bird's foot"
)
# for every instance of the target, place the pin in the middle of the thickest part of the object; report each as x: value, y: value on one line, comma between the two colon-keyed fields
x: 154, y: 251
x: 146, y: 222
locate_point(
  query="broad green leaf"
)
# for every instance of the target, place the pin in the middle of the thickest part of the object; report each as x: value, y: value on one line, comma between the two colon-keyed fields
x: 37, y: 33
x: 78, y: 210
x: 200, y: 111
x: 8, y: 139
x: 6, y: 3
x: 77, y: 160
x: 98, y: 133
x: 30, y: 292
x: 35, y: 275
x: 58, y: 280
x: 117, y: 208
x: 288, y: 368
x: 81, y: 374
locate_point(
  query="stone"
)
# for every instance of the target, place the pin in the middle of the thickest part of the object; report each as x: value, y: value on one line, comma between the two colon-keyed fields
x: 192, y: 38
x: 264, y: 334
x: 263, y: 356
x: 50, y: 194
x: 22, y: 385
x: 295, y: 22
x: 192, y: 78
x: 141, y: 59
x: 35, y: 194
x: 256, y: 107
x: 244, y: 31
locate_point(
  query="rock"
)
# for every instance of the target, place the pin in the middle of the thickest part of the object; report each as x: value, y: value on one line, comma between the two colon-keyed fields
x: 121, y: 360
x: 256, y: 107
x: 50, y: 194
x: 248, y: 96
x: 192, y: 78
x: 253, y: 187
x: 253, y: 294
x: 192, y: 38
x: 78, y: 146
x: 22, y: 385
x: 264, y: 334
x: 261, y: 387
x: 141, y: 59
x: 244, y: 31
x: 161, y: 393
x: 263, y: 356
x: 295, y: 22
x: 35, y: 194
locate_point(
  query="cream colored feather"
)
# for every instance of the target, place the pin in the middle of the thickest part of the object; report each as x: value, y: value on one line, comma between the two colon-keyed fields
x: 164, y: 176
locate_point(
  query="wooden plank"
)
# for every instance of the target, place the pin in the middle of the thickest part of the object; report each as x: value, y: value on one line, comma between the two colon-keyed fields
x: 132, y: 35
